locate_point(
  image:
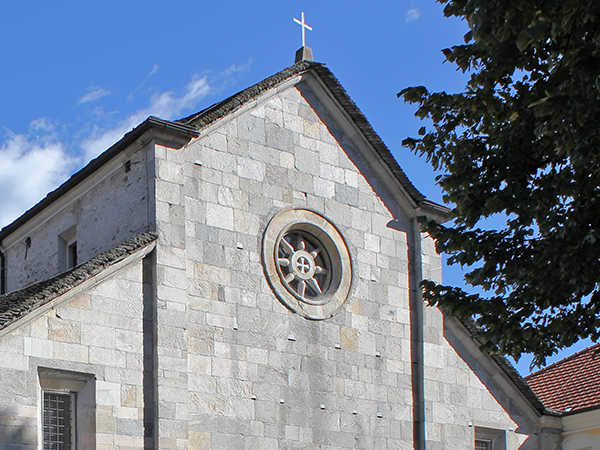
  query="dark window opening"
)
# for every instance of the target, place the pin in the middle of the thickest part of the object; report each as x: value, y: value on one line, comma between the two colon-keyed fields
x: 489, y: 439
x: 483, y: 444
x: 72, y: 255
x: 59, y: 421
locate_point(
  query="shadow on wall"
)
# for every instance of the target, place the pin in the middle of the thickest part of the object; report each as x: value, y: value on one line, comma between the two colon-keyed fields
x: 18, y: 427
x: 519, y: 427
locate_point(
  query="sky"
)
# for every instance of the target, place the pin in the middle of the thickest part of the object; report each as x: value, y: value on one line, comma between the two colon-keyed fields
x: 77, y: 75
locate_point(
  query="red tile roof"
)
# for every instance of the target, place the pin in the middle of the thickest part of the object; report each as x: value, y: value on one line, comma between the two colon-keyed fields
x: 571, y: 384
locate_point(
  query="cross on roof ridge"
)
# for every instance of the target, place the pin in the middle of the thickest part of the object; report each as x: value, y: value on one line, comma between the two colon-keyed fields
x: 304, y: 26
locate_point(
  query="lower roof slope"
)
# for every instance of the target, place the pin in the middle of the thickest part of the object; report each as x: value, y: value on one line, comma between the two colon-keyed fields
x: 571, y: 385
x: 17, y: 304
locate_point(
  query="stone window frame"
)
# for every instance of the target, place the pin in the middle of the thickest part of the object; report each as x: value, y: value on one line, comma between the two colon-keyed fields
x: 67, y: 249
x: 81, y: 387
x: 322, y: 229
x: 495, y: 437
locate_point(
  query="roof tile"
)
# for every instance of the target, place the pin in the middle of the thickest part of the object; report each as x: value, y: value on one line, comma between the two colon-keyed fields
x: 572, y: 384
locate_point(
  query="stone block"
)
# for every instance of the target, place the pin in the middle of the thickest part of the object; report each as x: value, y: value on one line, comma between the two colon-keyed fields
x: 69, y: 352
x: 97, y: 336
x: 107, y: 357
x: 216, y: 160
x: 307, y: 161
x: 169, y: 171
x: 168, y: 192
x: 199, y: 441
x: 251, y: 169
x: 323, y: 188
x: 251, y: 128
x: 81, y: 302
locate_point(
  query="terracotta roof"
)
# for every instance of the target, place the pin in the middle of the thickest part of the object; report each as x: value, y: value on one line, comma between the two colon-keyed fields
x: 209, y: 115
x: 572, y: 384
x: 17, y: 304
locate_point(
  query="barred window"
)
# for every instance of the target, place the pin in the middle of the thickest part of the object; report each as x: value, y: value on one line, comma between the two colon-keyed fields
x: 483, y: 444
x: 59, y: 421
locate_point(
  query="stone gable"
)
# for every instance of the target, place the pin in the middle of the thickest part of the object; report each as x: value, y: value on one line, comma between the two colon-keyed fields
x: 212, y: 341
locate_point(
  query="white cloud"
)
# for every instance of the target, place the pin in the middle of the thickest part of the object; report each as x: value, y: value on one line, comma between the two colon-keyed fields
x: 29, y: 169
x: 41, y: 125
x: 165, y: 105
x: 412, y: 14
x: 93, y: 95
x: 37, y: 162
x: 137, y: 89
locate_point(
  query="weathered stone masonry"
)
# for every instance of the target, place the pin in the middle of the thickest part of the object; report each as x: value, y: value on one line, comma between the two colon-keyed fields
x: 181, y: 341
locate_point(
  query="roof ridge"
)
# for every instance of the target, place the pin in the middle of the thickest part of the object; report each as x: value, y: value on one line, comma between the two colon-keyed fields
x: 220, y: 109
x: 231, y: 104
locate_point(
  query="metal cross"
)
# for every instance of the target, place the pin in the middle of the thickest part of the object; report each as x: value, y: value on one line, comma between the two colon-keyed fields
x: 304, y: 28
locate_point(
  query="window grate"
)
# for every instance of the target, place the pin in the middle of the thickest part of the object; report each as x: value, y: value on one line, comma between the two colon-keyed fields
x: 483, y: 444
x: 57, y: 421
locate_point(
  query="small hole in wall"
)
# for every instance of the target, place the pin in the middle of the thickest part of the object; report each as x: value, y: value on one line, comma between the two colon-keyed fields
x: 127, y: 165
x: 27, y: 245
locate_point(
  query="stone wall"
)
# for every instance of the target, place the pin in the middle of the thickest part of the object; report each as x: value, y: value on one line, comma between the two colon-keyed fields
x: 245, y: 372
x: 466, y: 391
x: 100, y: 218
x: 229, y: 365
x: 96, y: 336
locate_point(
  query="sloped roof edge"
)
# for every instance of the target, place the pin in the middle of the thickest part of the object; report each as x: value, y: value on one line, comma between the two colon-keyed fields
x: 503, y: 364
x: 367, y: 130
x: 17, y: 304
x: 522, y: 385
x: 219, y: 110
x: 95, y: 164
x: 190, y: 126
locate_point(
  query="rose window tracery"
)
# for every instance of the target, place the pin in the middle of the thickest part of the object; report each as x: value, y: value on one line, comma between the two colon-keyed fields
x: 305, y: 266
x: 307, y: 263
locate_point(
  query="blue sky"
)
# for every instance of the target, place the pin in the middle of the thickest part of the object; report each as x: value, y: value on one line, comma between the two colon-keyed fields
x: 75, y: 76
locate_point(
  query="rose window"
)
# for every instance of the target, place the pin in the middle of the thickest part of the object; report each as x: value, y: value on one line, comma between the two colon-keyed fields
x: 304, y: 266
x: 307, y: 263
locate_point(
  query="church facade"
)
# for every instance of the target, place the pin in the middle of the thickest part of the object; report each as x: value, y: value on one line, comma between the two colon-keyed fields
x: 245, y: 278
